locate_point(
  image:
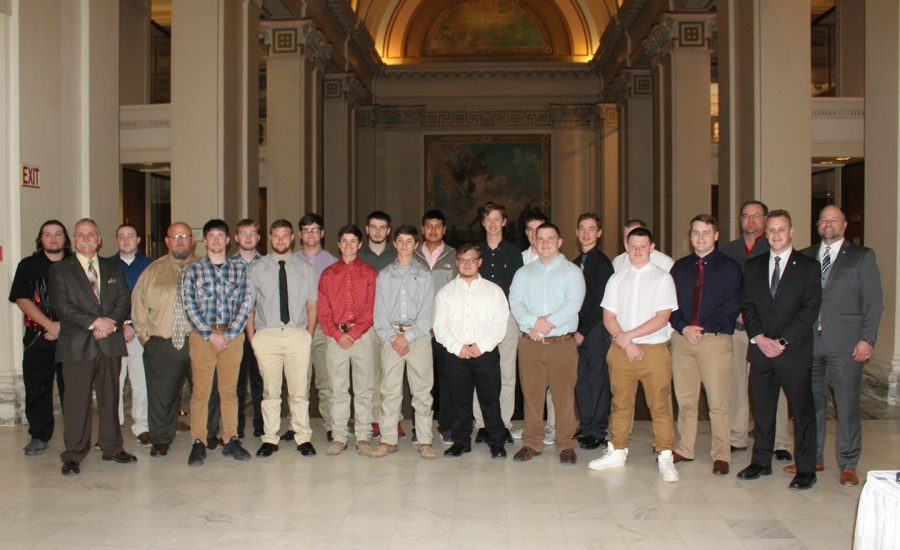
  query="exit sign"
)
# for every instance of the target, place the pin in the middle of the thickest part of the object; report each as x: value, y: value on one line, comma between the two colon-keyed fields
x: 31, y: 176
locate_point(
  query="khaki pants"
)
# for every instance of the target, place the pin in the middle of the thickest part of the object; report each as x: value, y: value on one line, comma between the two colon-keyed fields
x: 740, y: 399
x: 655, y: 374
x: 284, y: 352
x: 507, y: 349
x: 378, y: 373
x: 207, y: 361
x: 420, y: 373
x: 355, y: 362
x: 555, y: 366
x: 707, y: 362
x: 320, y: 367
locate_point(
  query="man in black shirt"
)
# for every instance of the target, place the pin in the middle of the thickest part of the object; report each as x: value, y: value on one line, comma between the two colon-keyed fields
x: 29, y: 293
x: 500, y: 260
x: 592, y: 387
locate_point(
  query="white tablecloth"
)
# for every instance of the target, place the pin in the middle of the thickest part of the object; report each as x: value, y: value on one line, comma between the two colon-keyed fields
x: 878, y: 517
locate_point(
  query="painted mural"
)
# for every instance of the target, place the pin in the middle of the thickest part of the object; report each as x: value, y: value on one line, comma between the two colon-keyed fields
x: 486, y: 27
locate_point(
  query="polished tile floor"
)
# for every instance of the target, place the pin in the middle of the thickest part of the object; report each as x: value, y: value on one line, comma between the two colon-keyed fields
x: 401, y: 501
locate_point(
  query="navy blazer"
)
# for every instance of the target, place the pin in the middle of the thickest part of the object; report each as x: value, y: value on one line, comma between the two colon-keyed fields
x: 77, y: 308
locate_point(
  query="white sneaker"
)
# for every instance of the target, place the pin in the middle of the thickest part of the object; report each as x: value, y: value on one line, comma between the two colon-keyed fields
x: 549, y: 437
x: 611, y: 458
x: 667, y: 466
x: 517, y: 433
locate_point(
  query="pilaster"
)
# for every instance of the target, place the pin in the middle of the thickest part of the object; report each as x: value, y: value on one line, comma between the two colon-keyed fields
x: 343, y: 93
x: 633, y: 89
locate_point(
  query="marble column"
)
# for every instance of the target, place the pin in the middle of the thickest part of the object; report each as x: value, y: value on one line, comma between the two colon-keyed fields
x: 11, y: 391
x: 882, y: 202
x: 634, y: 91
x: 679, y: 46
x: 295, y: 57
x: 214, y: 45
x: 342, y: 94
x: 576, y: 153
x: 609, y: 178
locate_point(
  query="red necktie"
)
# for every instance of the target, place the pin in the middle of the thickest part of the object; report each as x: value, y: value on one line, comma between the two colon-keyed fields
x: 698, y: 294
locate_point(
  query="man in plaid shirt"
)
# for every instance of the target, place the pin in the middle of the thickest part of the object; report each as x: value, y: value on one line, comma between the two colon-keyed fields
x: 217, y: 302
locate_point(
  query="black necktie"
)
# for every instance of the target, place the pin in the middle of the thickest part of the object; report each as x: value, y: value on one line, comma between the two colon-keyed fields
x: 776, y: 276
x: 283, y: 293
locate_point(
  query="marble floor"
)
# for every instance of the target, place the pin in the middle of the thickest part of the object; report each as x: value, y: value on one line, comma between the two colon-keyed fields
x: 401, y: 501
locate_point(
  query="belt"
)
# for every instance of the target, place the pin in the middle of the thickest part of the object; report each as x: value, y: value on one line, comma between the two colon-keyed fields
x: 345, y: 327
x: 401, y: 327
x: 218, y: 329
x: 553, y: 339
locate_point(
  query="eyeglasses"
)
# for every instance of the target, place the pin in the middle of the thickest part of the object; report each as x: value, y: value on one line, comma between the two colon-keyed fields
x: 180, y: 236
x: 468, y: 260
x: 752, y: 216
x: 310, y: 229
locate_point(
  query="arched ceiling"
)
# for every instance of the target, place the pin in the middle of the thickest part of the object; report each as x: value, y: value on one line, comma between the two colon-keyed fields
x: 428, y: 31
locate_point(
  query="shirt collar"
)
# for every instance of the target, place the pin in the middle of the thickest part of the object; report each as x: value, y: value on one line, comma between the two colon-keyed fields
x: 833, y: 247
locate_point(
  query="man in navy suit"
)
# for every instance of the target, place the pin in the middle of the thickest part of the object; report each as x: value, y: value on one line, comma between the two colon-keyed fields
x: 92, y: 300
x: 844, y: 337
x: 780, y: 304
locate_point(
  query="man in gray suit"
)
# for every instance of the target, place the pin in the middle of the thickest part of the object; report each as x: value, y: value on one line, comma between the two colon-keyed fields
x: 844, y: 335
x: 92, y: 300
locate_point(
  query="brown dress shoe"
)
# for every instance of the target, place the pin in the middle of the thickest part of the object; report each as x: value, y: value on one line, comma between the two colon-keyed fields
x: 676, y: 458
x: 525, y: 454
x: 849, y: 477
x: 182, y: 426
x: 144, y: 439
x: 792, y: 468
x: 213, y: 442
x: 720, y: 467
x: 159, y: 449
x: 568, y: 456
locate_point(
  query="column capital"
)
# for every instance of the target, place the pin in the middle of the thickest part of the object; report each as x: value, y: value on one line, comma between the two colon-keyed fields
x: 609, y: 114
x: 575, y: 115
x: 680, y: 30
x: 632, y: 82
x: 294, y: 38
x: 345, y: 87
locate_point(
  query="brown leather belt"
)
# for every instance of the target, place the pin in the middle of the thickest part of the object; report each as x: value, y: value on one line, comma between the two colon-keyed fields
x: 345, y: 327
x: 401, y: 327
x: 552, y: 339
x: 218, y: 329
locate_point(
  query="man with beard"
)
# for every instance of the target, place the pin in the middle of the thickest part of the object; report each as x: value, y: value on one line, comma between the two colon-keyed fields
x: 39, y: 366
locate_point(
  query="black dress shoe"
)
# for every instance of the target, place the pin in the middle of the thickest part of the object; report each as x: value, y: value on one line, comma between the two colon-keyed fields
x: 579, y: 435
x: 235, y: 450
x: 481, y: 436
x: 784, y: 456
x: 753, y: 471
x: 121, y: 457
x: 507, y: 437
x: 591, y: 442
x: 70, y: 468
x: 198, y: 454
x: 498, y: 451
x: 267, y: 449
x: 288, y: 435
x: 329, y: 436
x: 240, y: 434
x: 803, y: 481
x: 457, y: 449
x: 737, y: 449
x: 306, y: 449
x: 257, y: 433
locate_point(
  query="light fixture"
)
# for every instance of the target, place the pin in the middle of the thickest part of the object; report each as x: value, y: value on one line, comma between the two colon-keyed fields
x: 842, y: 158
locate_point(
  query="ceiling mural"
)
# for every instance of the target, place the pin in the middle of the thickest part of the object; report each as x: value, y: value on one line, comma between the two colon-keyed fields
x: 492, y: 27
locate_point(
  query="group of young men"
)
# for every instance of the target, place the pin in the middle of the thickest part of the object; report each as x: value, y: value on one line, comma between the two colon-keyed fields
x: 460, y: 323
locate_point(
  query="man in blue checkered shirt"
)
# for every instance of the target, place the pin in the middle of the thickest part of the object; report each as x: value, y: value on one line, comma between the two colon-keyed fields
x: 217, y: 302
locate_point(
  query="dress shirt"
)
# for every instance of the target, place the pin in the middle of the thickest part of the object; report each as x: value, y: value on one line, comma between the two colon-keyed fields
x: 529, y: 255
x: 597, y: 269
x: 499, y: 265
x: 133, y: 269
x: 404, y: 294
x: 301, y: 286
x: 217, y: 295
x: 431, y: 257
x: 833, y: 250
x: 636, y: 295
x: 320, y: 260
x: 720, y: 301
x: 782, y: 265
x: 555, y: 289
x: 378, y: 261
x: 153, y: 299
x: 237, y: 256
x: 347, y: 295
x: 473, y: 313
x: 657, y: 258
x: 84, y: 261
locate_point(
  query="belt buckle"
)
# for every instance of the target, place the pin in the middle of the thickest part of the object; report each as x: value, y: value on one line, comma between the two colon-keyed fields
x: 345, y: 327
x: 401, y: 327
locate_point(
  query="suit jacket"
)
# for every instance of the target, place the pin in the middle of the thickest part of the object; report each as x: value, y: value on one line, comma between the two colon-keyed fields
x: 791, y: 314
x: 851, y: 297
x: 78, y: 308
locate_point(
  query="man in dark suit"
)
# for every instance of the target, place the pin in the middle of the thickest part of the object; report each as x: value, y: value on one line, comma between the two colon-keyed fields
x: 92, y: 300
x: 780, y: 304
x: 844, y: 336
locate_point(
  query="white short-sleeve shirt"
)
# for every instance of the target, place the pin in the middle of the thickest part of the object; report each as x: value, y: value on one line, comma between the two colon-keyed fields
x: 635, y: 295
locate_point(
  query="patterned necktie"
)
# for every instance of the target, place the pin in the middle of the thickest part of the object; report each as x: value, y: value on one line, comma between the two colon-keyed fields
x: 178, y: 320
x: 826, y: 261
x: 776, y: 276
x: 283, y: 293
x: 93, y: 279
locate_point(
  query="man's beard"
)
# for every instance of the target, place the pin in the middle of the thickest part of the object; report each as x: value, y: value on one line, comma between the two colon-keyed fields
x: 52, y: 250
x: 178, y: 255
x: 284, y: 250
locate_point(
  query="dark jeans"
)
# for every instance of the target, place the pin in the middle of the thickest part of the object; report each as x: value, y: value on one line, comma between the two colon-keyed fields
x: 165, y: 367
x: 483, y: 375
x: 592, y: 388
x: 249, y: 371
x: 38, y: 370
x: 442, y: 390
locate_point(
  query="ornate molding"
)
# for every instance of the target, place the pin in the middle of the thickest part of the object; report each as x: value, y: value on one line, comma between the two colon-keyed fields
x: 356, y: 33
x: 294, y: 38
x: 141, y: 124
x: 615, y: 34
x: 632, y: 83
x: 609, y: 112
x: 418, y: 117
x: 679, y: 30
x: 531, y: 71
x: 578, y: 115
x: 345, y: 87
